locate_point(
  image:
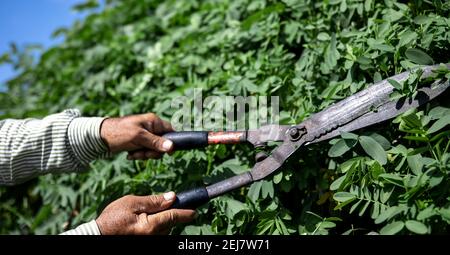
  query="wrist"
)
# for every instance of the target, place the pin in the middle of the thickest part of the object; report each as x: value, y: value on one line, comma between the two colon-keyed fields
x: 99, y: 227
x: 104, y: 126
x: 85, y: 139
x: 109, y: 133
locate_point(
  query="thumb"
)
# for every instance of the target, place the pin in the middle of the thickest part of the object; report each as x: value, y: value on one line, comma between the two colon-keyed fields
x: 166, y: 219
x: 154, y: 203
x: 156, y: 143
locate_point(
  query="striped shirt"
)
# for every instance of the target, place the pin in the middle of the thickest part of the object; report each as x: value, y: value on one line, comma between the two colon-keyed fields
x: 59, y: 143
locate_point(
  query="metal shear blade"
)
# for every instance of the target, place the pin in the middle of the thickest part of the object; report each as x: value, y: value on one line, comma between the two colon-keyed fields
x: 367, y: 107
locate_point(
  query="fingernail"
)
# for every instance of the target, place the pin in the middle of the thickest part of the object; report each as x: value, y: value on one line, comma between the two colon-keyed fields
x: 169, y: 196
x: 167, y: 145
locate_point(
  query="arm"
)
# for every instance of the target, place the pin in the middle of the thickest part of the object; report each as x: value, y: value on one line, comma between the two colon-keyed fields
x: 138, y: 215
x: 67, y: 142
x: 62, y: 142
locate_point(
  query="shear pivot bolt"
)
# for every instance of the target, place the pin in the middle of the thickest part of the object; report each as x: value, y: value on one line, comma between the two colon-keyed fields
x: 296, y: 133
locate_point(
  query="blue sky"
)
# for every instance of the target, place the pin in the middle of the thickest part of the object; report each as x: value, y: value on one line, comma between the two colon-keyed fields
x: 32, y: 21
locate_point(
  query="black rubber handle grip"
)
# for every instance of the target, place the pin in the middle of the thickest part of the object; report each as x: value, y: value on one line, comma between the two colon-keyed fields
x: 185, y: 140
x: 191, y: 199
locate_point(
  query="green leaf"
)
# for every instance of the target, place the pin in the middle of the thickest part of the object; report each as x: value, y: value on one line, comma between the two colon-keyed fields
x: 86, y: 5
x: 377, y: 77
x: 349, y: 136
x: 392, y: 228
x: 422, y: 19
x: 387, y: 214
x: 343, y: 196
x: 278, y: 177
x: 331, y: 53
x: 367, y: 5
x: 234, y: 165
x: 375, y: 168
x: 384, y: 47
x: 426, y: 213
x: 415, y: 163
x: 392, y: 178
x: 364, y: 208
x: 343, y: 204
x: 381, y: 140
x: 355, y: 205
x: 445, y: 213
x: 253, y: 192
x: 416, y: 227
x: 419, y: 57
x: 233, y: 207
x: 341, y: 147
x: 436, y: 177
x: 327, y: 224
x: 373, y: 148
x: 5, y: 58
x: 416, y: 138
x: 337, y: 183
x: 41, y: 216
x: 254, y: 18
x: 395, y: 84
x: 393, y: 15
x: 407, y: 37
x: 385, y: 195
x: 267, y: 189
x: 395, y: 95
x: 363, y: 60
x: 197, y: 230
x: 399, y: 149
x: 438, y: 112
x: 349, y: 165
x: 375, y: 210
x: 439, y: 124
x: 323, y: 36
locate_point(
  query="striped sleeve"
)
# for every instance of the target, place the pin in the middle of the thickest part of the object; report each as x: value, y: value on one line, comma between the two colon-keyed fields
x: 90, y: 228
x: 63, y: 142
x: 85, y: 140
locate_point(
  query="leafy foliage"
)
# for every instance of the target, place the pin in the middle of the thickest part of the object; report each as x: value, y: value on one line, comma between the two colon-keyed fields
x: 405, y: 191
x: 135, y: 56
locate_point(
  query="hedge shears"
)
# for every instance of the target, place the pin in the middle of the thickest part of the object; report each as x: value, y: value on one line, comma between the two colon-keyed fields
x: 367, y: 107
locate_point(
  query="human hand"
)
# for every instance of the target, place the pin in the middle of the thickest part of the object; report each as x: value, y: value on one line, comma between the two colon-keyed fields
x: 142, y: 215
x: 137, y: 134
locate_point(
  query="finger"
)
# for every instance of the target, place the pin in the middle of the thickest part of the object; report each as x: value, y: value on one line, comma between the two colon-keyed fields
x: 145, y: 227
x: 167, y: 219
x: 167, y: 127
x: 153, y: 155
x: 136, y: 155
x: 152, y: 203
x: 155, y: 143
x: 161, y: 127
x: 144, y: 154
x: 149, y: 121
x: 154, y: 124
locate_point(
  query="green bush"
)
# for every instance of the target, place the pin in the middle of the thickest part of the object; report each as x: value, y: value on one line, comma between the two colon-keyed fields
x: 135, y: 56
